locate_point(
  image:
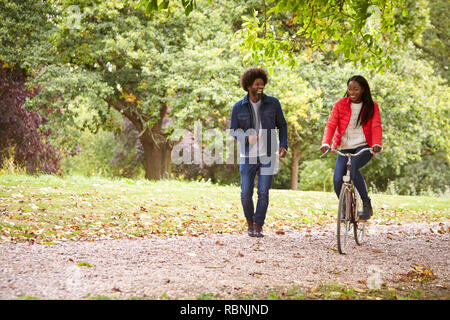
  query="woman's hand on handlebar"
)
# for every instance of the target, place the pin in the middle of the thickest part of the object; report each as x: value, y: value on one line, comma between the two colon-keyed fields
x: 324, y: 148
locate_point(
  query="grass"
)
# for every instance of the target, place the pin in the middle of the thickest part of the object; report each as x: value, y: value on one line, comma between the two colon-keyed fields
x: 49, y: 208
x: 405, y: 290
x: 324, y: 291
x: 338, y: 291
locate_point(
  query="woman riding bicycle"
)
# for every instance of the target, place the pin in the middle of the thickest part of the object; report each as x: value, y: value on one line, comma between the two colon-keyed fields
x: 354, y: 124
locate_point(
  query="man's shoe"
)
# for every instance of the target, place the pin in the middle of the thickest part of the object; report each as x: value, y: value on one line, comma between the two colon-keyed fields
x: 367, y: 210
x: 258, y: 230
x: 250, y: 227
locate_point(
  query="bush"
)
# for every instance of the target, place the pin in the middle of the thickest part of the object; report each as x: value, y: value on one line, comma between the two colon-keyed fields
x: 95, y: 152
x: 316, y: 175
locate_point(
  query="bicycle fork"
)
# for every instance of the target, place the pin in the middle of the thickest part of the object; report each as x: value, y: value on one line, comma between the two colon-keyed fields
x: 347, y: 182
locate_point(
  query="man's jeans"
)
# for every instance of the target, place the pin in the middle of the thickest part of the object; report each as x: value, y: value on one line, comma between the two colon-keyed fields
x: 357, y: 163
x: 249, y: 169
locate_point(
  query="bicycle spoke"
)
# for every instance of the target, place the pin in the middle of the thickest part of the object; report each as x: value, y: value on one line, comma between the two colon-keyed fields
x: 343, y: 223
x: 359, y: 232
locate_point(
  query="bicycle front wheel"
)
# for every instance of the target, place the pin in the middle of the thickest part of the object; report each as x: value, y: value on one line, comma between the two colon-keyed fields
x: 344, y: 218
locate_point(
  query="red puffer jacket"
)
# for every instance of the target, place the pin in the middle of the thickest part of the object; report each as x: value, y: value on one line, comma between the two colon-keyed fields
x: 339, y: 119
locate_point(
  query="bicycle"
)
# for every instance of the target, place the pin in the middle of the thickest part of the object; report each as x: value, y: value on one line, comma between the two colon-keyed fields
x: 349, y: 202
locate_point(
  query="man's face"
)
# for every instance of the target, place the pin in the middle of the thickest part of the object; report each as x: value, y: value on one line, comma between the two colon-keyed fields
x: 256, y: 89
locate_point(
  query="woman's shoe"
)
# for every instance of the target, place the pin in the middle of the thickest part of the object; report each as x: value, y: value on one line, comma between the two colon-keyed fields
x: 367, y: 210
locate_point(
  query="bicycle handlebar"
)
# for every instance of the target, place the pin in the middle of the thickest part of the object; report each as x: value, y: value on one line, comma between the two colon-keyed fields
x: 349, y: 155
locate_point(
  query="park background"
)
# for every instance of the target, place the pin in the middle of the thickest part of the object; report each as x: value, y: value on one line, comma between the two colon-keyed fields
x: 93, y: 93
x: 97, y: 88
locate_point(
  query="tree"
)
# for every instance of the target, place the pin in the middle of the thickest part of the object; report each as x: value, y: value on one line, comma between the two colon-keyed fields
x: 20, y: 136
x: 157, y: 72
x: 363, y: 31
x: 24, y: 28
x: 302, y: 107
x: 435, y: 42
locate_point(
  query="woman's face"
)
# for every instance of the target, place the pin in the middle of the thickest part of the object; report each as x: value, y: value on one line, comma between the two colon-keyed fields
x: 355, y: 91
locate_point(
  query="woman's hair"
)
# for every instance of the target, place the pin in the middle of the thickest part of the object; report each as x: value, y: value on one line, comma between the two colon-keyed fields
x: 251, y: 75
x: 368, y: 106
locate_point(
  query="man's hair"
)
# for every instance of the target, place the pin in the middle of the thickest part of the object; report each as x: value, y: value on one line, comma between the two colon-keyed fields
x: 249, y: 76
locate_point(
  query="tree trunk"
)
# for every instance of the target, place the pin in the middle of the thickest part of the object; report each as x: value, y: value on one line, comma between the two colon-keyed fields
x: 294, y: 169
x: 157, y: 148
x: 157, y: 155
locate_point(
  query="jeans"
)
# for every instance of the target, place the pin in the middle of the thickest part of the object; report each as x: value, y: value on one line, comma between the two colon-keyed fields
x: 358, y: 162
x: 248, y: 173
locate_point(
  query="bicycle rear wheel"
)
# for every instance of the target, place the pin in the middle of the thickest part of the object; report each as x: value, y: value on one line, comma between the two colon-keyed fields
x: 358, y: 226
x: 344, y: 218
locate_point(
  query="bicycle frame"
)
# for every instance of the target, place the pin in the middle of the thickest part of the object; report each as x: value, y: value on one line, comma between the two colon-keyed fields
x: 351, y: 203
x: 347, y: 179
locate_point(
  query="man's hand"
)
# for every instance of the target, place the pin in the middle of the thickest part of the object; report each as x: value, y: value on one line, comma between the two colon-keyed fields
x: 281, y: 152
x: 253, y: 139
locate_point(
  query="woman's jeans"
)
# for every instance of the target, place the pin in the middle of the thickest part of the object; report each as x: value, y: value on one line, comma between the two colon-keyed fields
x: 357, y: 163
x: 248, y: 173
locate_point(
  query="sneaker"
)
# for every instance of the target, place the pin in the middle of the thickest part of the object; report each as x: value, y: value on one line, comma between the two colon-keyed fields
x: 367, y: 210
x: 258, y: 230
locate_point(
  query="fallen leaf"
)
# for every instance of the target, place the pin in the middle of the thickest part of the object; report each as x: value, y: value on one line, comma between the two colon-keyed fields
x: 260, y: 261
x: 377, y: 251
x: 280, y: 232
x: 84, y: 264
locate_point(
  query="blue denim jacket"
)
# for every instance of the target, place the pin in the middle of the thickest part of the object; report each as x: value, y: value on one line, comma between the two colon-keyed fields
x: 272, y: 117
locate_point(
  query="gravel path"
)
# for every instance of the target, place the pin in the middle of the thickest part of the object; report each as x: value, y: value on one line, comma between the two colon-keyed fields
x: 227, y: 264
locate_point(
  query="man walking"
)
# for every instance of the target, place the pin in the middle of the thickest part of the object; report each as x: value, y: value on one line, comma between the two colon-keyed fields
x: 254, y: 121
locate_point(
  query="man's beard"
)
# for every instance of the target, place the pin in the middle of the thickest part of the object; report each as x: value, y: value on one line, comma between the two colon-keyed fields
x: 256, y: 94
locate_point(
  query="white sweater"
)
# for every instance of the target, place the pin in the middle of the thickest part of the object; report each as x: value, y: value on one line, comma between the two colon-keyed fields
x: 354, y: 136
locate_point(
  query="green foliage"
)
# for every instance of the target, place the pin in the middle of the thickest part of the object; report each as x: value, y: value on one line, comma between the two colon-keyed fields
x: 316, y: 175
x: 95, y: 152
x: 25, y: 27
x: 136, y: 59
x: 430, y: 176
x: 155, y: 5
x: 360, y: 30
x: 435, y: 42
x: 301, y: 104
x: 106, y: 154
x: 203, y: 79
